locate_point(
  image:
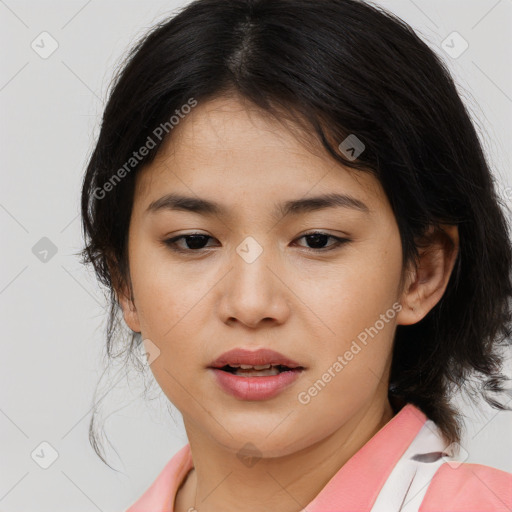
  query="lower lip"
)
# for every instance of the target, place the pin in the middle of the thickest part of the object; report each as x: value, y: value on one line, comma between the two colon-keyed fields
x: 255, y: 388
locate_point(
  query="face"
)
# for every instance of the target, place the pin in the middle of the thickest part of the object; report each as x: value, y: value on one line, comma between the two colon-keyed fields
x: 256, y: 277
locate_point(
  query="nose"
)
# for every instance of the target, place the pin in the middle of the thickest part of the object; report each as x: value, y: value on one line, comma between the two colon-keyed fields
x: 254, y: 292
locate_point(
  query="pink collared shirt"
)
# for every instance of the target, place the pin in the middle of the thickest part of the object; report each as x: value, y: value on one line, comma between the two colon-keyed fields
x: 404, y: 467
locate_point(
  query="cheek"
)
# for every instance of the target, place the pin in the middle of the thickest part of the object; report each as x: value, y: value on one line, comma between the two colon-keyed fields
x: 166, y: 312
x: 353, y: 306
x: 164, y: 294
x: 353, y: 294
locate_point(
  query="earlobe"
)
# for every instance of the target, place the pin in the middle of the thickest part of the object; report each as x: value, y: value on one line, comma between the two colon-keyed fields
x: 427, y: 282
x: 124, y: 296
x: 130, y: 314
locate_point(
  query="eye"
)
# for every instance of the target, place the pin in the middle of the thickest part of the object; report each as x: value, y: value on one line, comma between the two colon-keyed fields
x: 196, y: 241
x: 317, y: 238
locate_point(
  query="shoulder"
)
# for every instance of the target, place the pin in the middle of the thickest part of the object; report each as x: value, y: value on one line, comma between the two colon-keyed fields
x: 468, y: 487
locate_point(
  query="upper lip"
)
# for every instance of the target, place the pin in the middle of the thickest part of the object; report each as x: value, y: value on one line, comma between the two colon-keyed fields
x: 261, y: 356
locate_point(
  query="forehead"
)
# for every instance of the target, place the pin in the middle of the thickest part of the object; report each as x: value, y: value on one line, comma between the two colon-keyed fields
x: 230, y: 150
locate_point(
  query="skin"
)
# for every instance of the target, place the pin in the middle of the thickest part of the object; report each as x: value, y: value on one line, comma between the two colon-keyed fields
x: 308, y: 305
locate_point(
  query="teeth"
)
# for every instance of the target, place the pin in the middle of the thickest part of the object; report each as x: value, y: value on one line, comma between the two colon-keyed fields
x: 256, y: 367
x: 257, y: 373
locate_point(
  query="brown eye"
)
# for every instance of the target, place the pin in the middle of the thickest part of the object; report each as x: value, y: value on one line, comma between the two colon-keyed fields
x: 318, y: 239
x: 193, y: 242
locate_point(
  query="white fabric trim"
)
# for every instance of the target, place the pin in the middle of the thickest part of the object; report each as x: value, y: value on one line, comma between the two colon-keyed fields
x: 408, y: 482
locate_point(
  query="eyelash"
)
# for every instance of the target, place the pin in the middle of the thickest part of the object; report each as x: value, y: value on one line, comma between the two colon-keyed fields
x: 171, y: 242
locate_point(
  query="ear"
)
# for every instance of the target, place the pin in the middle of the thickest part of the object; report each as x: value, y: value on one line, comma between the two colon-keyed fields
x: 426, y: 284
x: 130, y: 314
x: 124, y: 297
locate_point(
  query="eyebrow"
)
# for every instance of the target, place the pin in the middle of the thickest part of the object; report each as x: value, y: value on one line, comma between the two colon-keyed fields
x: 202, y: 206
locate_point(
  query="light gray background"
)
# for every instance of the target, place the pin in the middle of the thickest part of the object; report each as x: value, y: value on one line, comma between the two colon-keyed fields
x: 54, y: 313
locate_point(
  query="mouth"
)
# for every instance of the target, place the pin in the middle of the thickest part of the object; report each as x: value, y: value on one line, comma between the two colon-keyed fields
x: 263, y: 362
x: 265, y: 370
x: 255, y: 375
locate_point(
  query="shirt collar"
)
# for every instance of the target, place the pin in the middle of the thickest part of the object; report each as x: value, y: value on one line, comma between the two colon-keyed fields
x: 354, y: 487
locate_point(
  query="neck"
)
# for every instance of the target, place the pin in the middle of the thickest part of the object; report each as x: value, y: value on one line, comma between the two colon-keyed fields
x: 219, y: 482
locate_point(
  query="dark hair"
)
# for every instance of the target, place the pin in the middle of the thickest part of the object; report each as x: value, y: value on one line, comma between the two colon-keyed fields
x: 335, y: 68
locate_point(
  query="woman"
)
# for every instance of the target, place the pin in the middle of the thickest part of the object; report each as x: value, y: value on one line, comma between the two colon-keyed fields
x: 290, y: 206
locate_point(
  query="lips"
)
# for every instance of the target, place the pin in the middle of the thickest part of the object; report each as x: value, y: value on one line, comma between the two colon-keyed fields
x: 255, y: 375
x: 255, y: 359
